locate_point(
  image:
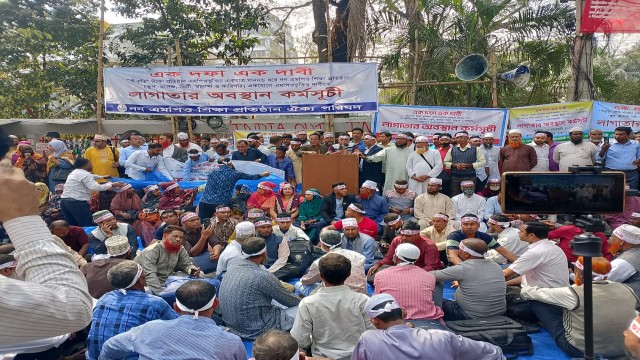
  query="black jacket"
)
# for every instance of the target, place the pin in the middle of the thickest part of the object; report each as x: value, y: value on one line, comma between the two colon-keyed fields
x: 328, y: 210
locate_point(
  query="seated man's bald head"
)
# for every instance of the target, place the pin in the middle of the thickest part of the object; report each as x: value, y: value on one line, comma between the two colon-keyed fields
x: 476, y: 245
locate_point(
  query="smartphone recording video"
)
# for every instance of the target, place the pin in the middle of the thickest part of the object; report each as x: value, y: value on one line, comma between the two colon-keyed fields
x: 563, y: 193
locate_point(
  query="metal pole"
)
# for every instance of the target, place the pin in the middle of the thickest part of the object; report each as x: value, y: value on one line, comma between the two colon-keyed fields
x: 329, y: 117
x: 588, y: 309
x: 100, y: 66
x: 494, y: 78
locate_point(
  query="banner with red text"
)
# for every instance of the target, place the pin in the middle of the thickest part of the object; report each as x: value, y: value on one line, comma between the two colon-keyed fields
x: 555, y: 118
x: 610, y: 16
x: 608, y: 116
x: 325, y: 88
x: 427, y: 120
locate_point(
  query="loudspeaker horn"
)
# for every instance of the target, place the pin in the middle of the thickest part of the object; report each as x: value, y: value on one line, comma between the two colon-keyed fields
x: 471, y: 67
x: 518, y: 76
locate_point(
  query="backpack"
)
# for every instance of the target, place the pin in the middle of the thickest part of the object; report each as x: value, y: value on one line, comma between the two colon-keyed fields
x: 301, y: 256
x: 501, y: 331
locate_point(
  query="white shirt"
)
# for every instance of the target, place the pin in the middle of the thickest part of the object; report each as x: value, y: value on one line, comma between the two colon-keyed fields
x: 543, y: 264
x: 469, y: 205
x: 190, y: 147
x: 510, y: 240
x: 139, y: 161
x: 621, y: 270
x: 81, y: 183
x: 569, y: 154
x: 53, y: 298
x: 232, y: 251
x: 294, y: 232
x: 168, y: 151
x: 265, y: 150
x: 543, y: 157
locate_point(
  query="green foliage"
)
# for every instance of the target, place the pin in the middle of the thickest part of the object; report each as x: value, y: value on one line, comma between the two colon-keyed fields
x: 204, y: 28
x: 48, y: 56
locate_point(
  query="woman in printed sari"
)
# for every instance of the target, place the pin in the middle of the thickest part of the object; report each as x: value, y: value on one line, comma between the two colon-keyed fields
x: 174, y: 198
x: 287, y: 201
x: 33, y: 164
x: 239, y: 201
x: 309, y: 214
x: 126, y: 204
x: 263, y: 198
x: 151, y: 198
x: 44, y: 197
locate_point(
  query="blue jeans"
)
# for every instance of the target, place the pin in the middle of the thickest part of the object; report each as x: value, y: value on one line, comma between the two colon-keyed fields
x: 305, y: 289
x: 551, y: 318
x: 204, y: 263
x: 76, y: 213
x: 632, y: 177
x: 453, y: 311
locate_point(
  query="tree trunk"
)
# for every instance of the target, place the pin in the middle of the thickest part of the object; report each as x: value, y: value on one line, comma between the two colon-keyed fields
x: 319, y: 35
x: 339, y: 33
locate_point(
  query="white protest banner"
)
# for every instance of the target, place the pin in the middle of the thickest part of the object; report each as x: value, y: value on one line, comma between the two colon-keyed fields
x: 608, y: 116
x: 555, y: 118
x: 200, y: 172
x: 427, y: 120
x: 325, y: 88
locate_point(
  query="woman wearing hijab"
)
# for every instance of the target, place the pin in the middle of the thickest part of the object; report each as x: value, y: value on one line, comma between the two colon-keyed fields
x: 60, y: 163
x: 126, y: 204
x: 33, y: 164
x: 44, y: 197
x: 151, y: 198
x: 286, y: 201
x: 239, y: 200
x: 174, y: 197
x: 309, y: 214
x: 263, y: 198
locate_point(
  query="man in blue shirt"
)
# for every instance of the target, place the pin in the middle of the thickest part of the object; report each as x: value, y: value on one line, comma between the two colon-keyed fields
x: 245, y: 153
x: 120, y: 310
x: 195, y: 157
x: 282, y: 162
x: 353, y: 239
x: 469, y: 225
x: 220, y: 187
x: 622, y: 154
x: 136, y: 143
x: 357, y: 133
x: 199, y: 336
x: 375, y: 206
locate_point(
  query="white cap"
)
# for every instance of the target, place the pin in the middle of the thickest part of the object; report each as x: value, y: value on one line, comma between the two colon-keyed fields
x: 435, y: 181
x: 515, y: 131
x: 245, y: 228
x: 466, y: 183
x: 628, y: 233
x: 349, y: 222
x: 576, y: 129
x: 370, y: 185
x: 422, y: 139
x: 408, y: 252
x: 488, y: 135
x: 379, y: 299
x: 183, y: 136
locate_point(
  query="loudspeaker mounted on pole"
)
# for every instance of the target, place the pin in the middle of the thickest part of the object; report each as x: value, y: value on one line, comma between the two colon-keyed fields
x: 518, y: 76
x: 471, y: 67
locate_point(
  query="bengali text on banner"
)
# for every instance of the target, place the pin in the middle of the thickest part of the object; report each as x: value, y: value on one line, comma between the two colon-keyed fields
x: 427, y: 120
x: 555, y: 118
x: 608, y: 116
x: 247, y: 90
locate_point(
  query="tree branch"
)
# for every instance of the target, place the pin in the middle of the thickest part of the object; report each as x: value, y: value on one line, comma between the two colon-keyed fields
x: 291, y: 9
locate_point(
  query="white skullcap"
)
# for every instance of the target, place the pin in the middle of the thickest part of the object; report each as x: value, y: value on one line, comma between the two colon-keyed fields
x: 435, y: 181
x: 515, y: 131
x: 370, y: 185
x: 488, y: 135
x: 635, y: 215
x: 422, y: 139
x: 466, y: 183
x: 495, y: 180
x: 376, y: 300
x: 628, y: 233
x: 576, y: 129
x: 245, y: 228
x: 408, y: 252
x: 349, y: 222
x: 183, y: 136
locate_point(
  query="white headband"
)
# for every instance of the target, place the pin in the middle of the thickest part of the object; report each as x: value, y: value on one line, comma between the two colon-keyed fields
x: 188, y: 216
x: 440, y: 216
x: 355, y: 208
x: 340, y: 187
x: 499, y: 223
x: 207, y: 306
x: 369, y: 137
x: 469, y: 251
x: 135, y: 280
x: 401, y: 136
x: 331, y: 247
x: 409, y: 232
x: 263, y: 223
x: 223, y: 209
x: 393, y: 222
x: 283, y: 219
x: 635, y: 327
x: 635, y: 214
x: 104, y: 217
x: 469, y: 218
x: 10, y: 264
x: 401, y: 186
x: 390, y: 306
x: 172, y: 186
x: 246, y: 256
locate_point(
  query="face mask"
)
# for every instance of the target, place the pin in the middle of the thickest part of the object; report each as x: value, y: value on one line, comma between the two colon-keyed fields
x: 468, y: 192
x: 444, y: 145
x: 494, y: 188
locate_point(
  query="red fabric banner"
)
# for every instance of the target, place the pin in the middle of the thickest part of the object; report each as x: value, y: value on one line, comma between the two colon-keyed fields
x: 611, y: 16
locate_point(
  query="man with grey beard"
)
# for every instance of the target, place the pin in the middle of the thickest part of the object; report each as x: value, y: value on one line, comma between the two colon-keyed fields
x: 575, y: 152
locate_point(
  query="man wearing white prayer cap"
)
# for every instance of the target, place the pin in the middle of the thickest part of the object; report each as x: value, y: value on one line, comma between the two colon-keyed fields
x: 247, y: 292
x: 515, y: 156
x: 183, y: 142
x: 431, y: 203
x: 394, y: 160
x: 576, y: 151
x: 125, y: 308
x: 635, y: 219
x: 423, y: 164
x: 469, y: 202
x: 481, y: 285
x: 463, y: 160
x: 412, y: 286
x: 491, y: 155
x: 353, y: 239
x: 375, y: 206
x: 243, y: 230
x: 370, y: 170
x: 625, y: 268
x: 200, y: 337
x: 118, y: 250
x: 395, y: 340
